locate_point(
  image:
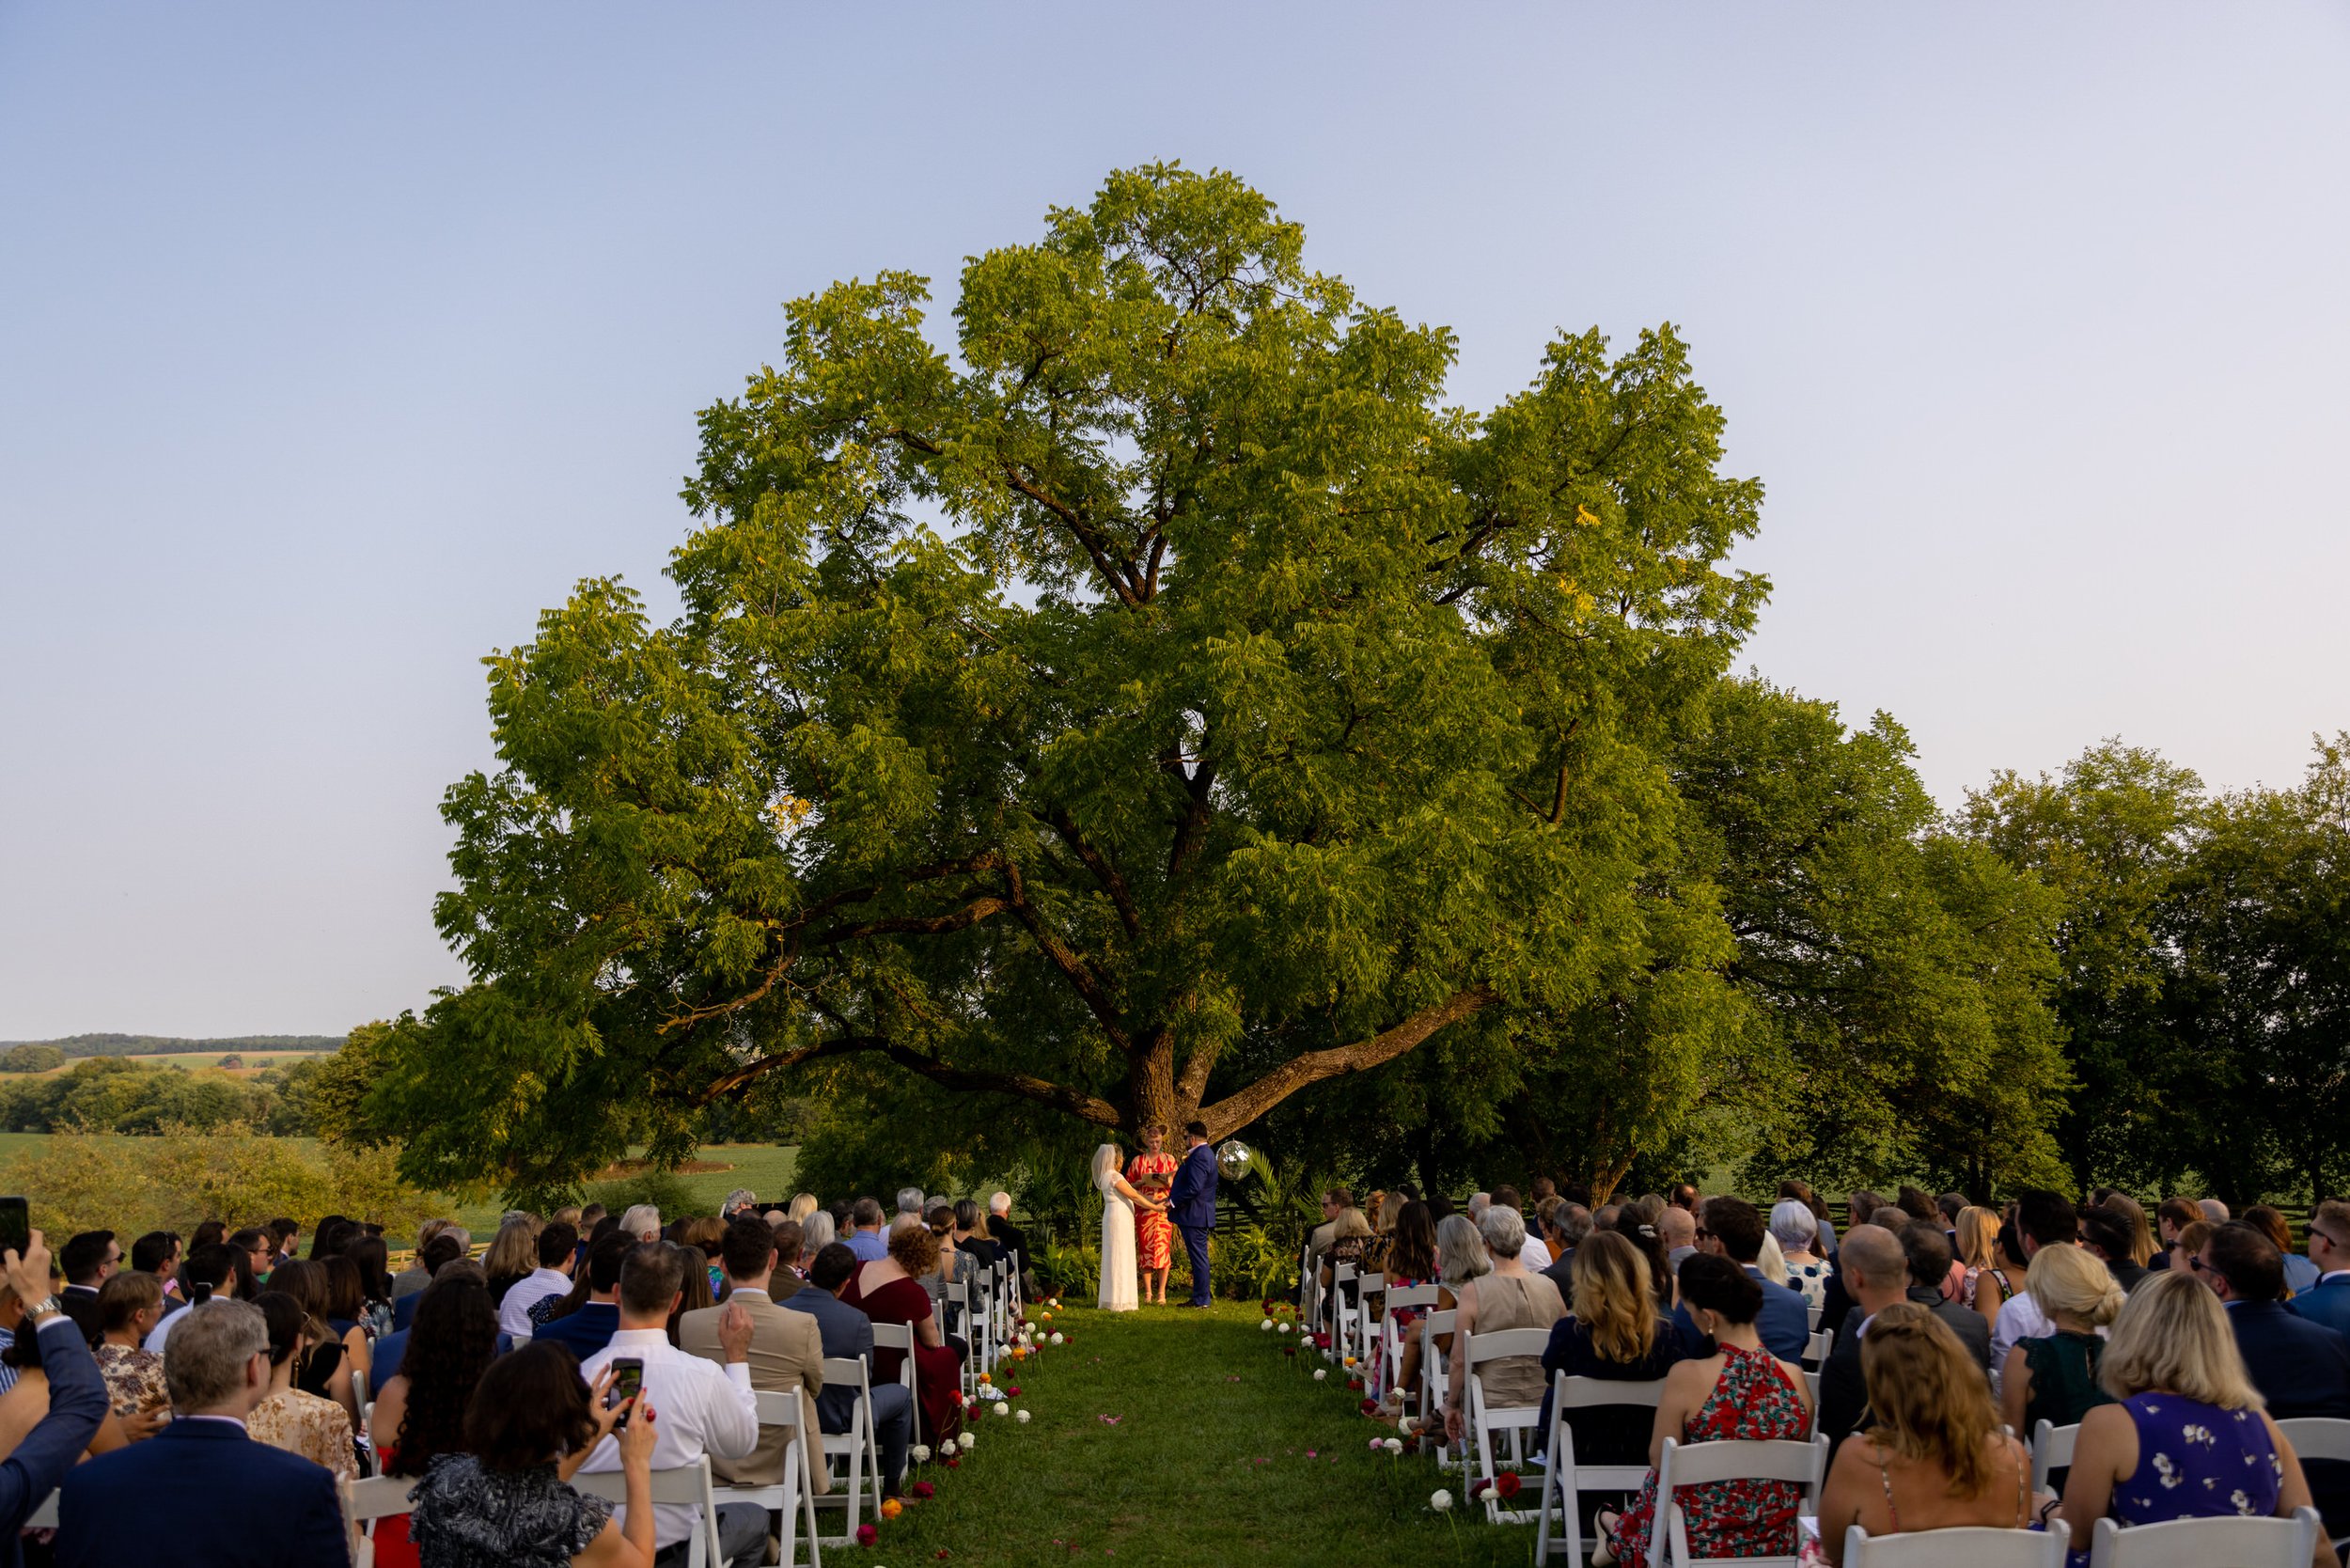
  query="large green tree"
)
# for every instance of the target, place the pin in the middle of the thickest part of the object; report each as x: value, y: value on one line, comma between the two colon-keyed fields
x: 1157, y: 706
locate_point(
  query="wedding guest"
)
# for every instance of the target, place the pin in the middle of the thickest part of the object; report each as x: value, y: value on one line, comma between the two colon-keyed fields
x: 1013, y: 1239
x: 1976, y: 1238
x: 2189, y: 1438
x: 641, y: 1223
x: 804, y: 1205
x: 703, y: 1233
x: 157, y: 1253
x: 2172, y: 1215
x: 1536, y: 1256
x: 1797, y: 1232
x: 886, y: 1291
x: 1733, y: 1228
x: 786, y: 1352
x: 419, y: 1413
x: 848, y: 1336
x: 318, y: 1429
x: 1507, y: 1297
x: 556, y: 1248
x: 1677, y: 1229
x: 435, y: 1255
x: 88, y: 1261
x: 2105, y: 1236
x: 373, y: 1259
x: 2045, y: 1219
x: 584, y: 1321
x: 1927, y: 1246
x: 972, y: 1237
x: 790, y: 1243
x: 1628, y: 1223
x: 1739, y: 1391
x: 208, y: 1273
x: 1613, y: 1333
x: 507, y: 1501
x: 513, y: 1255
x: 2328, y: 1301
x: 2142, y: 1249
x: 2188, y: 1246
x: 1935, y: 1457
x: 2300, y: 1274
x: 694, y: 1291
x: 130, y: 1305
x: 866, y: 1240
x: 1875, y: 1272
x: 73, y: 1399
x: 2053, y: 1376
x: 1412, y: 1263
x: 326, y: 1365
x: 1568, y: 1223
x: 815, y: 1235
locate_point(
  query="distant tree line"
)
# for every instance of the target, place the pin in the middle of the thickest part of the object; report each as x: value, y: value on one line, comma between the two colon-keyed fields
x: 160, y: 1044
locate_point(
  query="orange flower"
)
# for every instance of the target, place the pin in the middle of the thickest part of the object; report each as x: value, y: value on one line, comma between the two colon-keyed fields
x: 891, y: 1508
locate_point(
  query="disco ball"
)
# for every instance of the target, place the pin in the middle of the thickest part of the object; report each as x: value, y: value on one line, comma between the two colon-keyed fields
x: 1235, y: 1157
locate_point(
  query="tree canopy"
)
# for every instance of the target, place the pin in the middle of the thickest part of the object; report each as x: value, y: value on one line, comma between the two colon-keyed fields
x: 1161, y: 704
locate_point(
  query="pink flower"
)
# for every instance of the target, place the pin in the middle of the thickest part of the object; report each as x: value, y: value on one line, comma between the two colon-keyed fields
x: 867, y: 1535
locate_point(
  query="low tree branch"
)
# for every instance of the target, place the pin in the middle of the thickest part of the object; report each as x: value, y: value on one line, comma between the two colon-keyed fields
x: 1060, y: 1097
x: 1103, y: 873
x: 1235, y: 1111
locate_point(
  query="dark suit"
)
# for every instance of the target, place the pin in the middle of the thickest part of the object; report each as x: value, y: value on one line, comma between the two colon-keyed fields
x: 1972, y: 1330
x: 108, y: 1510
x: 2326, y: 1301
x: 1013, y: 1239
x: 77, y: 1403
x: 404, y: 1309
x: 1783, y: 1322
x: 1843, y: 1394
x: 80, y: 1303
x: 1835, y: 1303
x: 2301, y: 1368
x: 848, y: 1336
x: 586, y: 1332
x: 1561, y: 1274
x: 1191, y: 1204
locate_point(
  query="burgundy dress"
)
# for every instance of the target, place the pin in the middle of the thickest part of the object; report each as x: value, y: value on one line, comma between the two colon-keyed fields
x: 937, y: 1371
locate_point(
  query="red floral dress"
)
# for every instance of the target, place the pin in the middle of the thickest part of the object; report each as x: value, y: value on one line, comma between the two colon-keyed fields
x: 1753, y: 1401
x: 1154, y: 1176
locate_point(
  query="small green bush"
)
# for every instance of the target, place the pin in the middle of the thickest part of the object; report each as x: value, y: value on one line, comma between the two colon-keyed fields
x: 181, y: 1177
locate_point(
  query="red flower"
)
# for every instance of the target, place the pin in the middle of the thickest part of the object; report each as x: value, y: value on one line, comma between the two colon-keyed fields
x: 1289, y: 1350
x: 1355, y: 1383
x: 1371, y: 1408
x: 924, y: 1489
x: 954, y: 1464
x: 1507, y: 1483
x: 867, y: 1535
x: 1012, y: 1392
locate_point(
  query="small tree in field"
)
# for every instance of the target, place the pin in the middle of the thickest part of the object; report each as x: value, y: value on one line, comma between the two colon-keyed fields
x: 1164, y: 705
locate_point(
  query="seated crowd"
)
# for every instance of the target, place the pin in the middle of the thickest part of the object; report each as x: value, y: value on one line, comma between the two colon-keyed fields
x: 2173, y: 1345
x: 489, y: 1381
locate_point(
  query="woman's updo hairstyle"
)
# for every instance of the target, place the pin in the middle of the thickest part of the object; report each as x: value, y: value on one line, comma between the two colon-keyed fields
x: 1713, y: 1282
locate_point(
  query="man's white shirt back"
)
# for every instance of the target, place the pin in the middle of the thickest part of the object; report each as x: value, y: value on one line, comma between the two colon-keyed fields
x: 699, y: 1407
x: 527, y: 1293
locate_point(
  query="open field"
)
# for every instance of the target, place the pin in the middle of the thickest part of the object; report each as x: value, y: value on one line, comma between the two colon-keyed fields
x: 253, y: 1062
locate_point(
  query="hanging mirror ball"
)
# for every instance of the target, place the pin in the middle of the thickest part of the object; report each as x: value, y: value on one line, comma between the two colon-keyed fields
x: 1233, y: 1157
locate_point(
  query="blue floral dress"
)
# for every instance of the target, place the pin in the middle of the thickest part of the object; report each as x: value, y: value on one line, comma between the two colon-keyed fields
x: 2197, y: 1461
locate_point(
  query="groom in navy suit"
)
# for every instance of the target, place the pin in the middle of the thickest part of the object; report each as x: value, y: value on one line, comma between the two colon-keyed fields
x: 1191, y: 1204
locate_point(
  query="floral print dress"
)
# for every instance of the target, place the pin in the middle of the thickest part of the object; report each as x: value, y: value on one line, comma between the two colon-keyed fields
x: 2197, y: 1461
x: 1753, y: 1401
x: 1154, y: 1176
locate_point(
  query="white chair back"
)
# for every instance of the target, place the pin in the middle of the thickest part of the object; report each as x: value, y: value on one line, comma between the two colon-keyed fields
x: 1434, y: 1374
x: 857, y: 1446
x: 684, y: 1484
x: 1488, y: 1420
x: 1696, y: 1463
x: 1815, y: 1349
x: 2207, y: 1544
x: 1964, y: 1547
x: 2052, y: 1450
x: 898, y: 1336
x: 364, y: 1502
x: 44, y: 1514
x: 1567, y: 1477
x: 2317, y: 1437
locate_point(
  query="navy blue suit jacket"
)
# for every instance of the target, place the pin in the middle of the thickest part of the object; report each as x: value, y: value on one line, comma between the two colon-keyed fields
x: 2326, y: 1301
x: 77, y: 1403
x: 108, y: 1511
x: 848, y: 1336
x: 404, y: 1310
x: 1191, y: 1197
x: 1783, y: 1323
x: 586, y: 1332
x: 2301, y: 1368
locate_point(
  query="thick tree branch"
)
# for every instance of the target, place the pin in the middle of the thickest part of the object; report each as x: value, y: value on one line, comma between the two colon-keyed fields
x: 1103, y: 873
x: 1062, y: 957
x: 1060, y: 1097
x: 1193, y: 827
x: 1235, y: 1111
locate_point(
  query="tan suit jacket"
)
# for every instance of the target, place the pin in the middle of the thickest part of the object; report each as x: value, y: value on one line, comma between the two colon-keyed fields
x: 787, y: 1353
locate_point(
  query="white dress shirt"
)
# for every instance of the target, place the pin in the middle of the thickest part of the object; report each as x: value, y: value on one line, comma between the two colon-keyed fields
x: 1534, y: 1256
x: 524, y: 1293
x: 699, y: 1407
x: 2020, y: 1318
x: 161, y: 1331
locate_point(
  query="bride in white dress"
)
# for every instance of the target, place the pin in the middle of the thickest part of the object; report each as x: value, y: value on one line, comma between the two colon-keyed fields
x: 1118, y: 1229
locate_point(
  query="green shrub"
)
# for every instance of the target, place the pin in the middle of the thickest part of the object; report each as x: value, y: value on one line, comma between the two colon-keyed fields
x: 180, y: 1178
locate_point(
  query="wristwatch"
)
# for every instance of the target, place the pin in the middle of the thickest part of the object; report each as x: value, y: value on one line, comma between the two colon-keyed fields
x: 47, y: 1307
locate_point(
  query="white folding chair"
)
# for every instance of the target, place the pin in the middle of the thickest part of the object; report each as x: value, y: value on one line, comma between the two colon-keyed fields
x: 1966, y: 1546
x: 1567, y: 1478
x: 1434, y: 1378
x: 856, y: 1447
x: 1309, y: 1291
x: 1815, y: 1349
x: 366, y: 1501
x: 900, y: 1336
x: 2319, y: 1437
x: 1485, y: 1419
x: 2207, y: 1543
x: 1371, y: 1294
x: 684, y: 1484
x: 1812, y: 1313
x: 2052, y: 1450
x: 954, y: 1315
x: 1420, y: 1298
x: 793, y: 1497
x: 1341, y: 1315
x: 1697, y: 1464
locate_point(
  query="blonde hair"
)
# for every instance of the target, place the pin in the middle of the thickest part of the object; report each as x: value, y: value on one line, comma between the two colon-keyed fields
x: 1612, y: 1299
x: 2068, y: 1282
x: 2173, y: 1334
x: 1929, y: 1399
x: 803, y: 1205
x: 514, y: 1251
x: 1978, y: 1237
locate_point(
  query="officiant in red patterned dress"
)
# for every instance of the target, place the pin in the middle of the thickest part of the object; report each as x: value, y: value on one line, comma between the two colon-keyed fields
x: 1151, y: 1172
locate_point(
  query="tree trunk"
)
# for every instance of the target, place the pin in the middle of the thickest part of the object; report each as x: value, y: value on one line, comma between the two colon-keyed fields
x: 1150, y: 1097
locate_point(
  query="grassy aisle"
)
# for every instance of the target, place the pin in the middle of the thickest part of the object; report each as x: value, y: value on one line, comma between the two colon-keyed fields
x: 1223, y: 1452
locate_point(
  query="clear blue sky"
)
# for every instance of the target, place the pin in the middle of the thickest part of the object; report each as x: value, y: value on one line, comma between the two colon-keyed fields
x: 335, y: 341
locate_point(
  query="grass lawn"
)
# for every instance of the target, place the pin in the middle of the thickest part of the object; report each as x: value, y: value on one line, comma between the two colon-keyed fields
x: 1224, y: 1452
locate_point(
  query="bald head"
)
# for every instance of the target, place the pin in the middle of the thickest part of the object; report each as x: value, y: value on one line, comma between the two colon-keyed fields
x: 1677, y: 1228
x: 1875, y: 1269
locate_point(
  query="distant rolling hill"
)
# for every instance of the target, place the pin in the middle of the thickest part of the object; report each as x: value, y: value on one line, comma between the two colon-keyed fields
x: 159, y: 1044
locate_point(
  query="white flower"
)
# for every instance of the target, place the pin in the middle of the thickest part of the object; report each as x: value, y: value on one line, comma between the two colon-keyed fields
x: 1020, y: 1414
x: 1441, y: 1500
x: 1057, y: 1338
x: 1320, y: 1372
x: 1266, y: 1325
x: 967, y: 1441
x: 1393, y: 1445
x: 919, y: 1452
x: 1003, y: 1409
x: 1283, y: 1328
